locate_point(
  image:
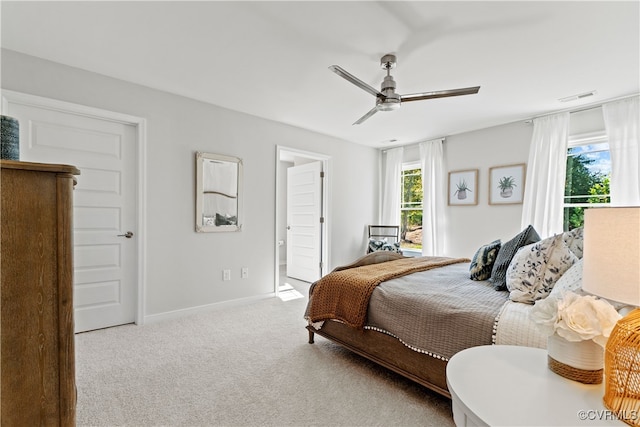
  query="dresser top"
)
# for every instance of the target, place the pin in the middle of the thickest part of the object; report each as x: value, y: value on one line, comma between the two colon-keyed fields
x: 39, y: 167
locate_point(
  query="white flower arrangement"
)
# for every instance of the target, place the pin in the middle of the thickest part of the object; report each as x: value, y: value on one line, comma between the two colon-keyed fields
x: 576, y: 317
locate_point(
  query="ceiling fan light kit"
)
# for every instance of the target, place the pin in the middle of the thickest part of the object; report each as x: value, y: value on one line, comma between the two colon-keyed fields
x: 386, y: 98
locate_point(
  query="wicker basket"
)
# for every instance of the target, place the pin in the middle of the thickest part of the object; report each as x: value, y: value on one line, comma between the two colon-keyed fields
x: 581, y: 361
x: 622, y: 385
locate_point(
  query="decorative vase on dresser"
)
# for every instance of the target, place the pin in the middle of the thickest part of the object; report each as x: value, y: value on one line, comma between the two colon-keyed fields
x: 36, y: 312
x: 9, y: 138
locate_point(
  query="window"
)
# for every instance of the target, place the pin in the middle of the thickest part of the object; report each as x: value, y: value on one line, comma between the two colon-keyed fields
x: 411, y: 207
x: 588, y: 174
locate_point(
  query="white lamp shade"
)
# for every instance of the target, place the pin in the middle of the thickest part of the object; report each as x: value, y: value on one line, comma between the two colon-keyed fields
x: 612, y: 254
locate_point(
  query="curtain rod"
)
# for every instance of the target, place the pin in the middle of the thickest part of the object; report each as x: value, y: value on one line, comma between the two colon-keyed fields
x: 583, y: 108
x: 384, y: 150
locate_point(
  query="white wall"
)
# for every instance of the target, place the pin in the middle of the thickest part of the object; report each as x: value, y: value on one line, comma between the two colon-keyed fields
x: 469, y: 227
x: 184, y: 268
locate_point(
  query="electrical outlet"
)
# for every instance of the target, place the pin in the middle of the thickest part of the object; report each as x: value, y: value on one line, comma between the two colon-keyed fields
x: 226, y: 274
x: 244, y: 273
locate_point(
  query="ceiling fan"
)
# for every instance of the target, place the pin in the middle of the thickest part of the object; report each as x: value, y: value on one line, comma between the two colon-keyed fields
x: 386, y: 98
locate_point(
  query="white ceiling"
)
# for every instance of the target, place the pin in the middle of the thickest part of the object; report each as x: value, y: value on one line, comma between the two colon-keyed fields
x: 270, y: 59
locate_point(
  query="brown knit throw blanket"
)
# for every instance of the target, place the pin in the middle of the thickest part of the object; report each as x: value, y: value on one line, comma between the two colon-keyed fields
x: 344, y: 295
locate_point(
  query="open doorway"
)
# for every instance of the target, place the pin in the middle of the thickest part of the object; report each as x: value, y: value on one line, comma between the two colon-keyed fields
x: 301, y: 239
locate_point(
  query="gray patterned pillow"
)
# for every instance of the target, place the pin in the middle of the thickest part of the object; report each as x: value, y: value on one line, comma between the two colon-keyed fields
x: 483, y: 260
x: 507, y: 252
x: 575, y: 240
x: 537, y: 267
x: 383, y: 245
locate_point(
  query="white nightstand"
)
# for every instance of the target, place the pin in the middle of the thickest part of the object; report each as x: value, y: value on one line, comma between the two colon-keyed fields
x: 503, y: 385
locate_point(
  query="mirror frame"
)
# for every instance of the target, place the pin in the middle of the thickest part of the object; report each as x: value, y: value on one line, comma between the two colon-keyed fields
x: 201, y: 157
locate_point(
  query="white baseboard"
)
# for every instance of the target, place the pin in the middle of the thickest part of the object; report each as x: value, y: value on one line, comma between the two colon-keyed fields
x: 175, y: 314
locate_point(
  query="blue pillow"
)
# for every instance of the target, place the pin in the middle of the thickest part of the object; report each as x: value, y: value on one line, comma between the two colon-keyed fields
x: 483, y: 260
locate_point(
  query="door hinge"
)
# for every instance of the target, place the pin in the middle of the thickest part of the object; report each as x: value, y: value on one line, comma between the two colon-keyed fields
x: 321, y: 220
x: 321, y: 174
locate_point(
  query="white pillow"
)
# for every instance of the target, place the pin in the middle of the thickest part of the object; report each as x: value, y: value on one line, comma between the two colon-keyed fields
x: 571, y: 281
x: 536, y: 268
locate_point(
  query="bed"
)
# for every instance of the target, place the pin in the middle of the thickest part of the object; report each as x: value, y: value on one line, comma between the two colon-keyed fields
x: 415, y: 321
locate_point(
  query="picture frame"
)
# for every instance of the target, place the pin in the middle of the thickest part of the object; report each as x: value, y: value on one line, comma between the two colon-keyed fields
x: 506, y: 184
x: 463, y: 188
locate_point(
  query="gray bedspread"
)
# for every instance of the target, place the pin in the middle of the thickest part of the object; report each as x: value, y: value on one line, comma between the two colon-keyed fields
x: 438, y: 312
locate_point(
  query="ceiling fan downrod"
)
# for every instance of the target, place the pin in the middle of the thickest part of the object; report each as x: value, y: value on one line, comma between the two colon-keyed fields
x: 391, y: 100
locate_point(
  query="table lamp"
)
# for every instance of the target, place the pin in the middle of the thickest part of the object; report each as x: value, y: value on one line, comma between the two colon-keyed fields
x: 612, y: 270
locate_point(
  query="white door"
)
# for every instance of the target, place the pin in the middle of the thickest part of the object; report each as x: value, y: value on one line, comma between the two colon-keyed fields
x: 105, y: 263
x: 304, y: 221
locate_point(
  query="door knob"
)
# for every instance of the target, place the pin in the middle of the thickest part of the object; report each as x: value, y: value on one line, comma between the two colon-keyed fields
x: 128, y: 234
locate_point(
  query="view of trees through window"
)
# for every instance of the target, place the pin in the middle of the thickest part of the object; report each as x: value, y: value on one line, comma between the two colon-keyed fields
x: 411, y: 209
x: 588, y: 174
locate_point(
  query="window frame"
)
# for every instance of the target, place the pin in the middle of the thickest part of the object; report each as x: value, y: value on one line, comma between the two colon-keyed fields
x: 578, y: 140
x: 403, y: 207
x: 405, y: 167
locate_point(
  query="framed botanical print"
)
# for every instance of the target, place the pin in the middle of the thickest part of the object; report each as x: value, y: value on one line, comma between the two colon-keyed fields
x: 463, y: 187
x: 506, y: 184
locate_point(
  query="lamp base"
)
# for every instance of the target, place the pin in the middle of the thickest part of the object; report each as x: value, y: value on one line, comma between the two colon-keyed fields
x: 622, y: 369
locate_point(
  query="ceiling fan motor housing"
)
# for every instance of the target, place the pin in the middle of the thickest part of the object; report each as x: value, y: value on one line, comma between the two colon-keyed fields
x: 391, y: 100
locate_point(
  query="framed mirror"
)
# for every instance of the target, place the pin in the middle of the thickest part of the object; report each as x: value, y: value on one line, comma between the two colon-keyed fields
x: 218, y: 193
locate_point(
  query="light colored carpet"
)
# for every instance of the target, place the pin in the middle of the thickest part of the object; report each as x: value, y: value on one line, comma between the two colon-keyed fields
x: 243, y: 366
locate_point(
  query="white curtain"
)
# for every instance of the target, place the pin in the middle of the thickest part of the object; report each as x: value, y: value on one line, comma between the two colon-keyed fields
x: 433, y: 200
x: 622, y: 122
x: 391, y: 187
x: 543, y: 204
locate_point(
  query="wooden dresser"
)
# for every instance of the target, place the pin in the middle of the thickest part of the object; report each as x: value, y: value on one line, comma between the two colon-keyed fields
x: 37, y: 341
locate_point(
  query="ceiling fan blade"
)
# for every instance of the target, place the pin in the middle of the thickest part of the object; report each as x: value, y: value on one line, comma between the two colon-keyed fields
x: 356, y: 81
x: 366, y: 116
x: 439, y: 94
